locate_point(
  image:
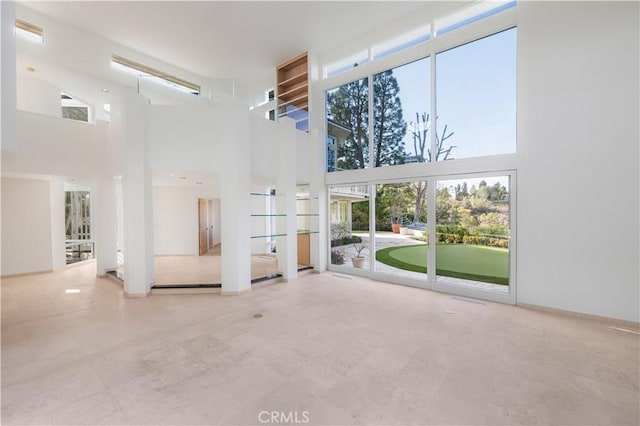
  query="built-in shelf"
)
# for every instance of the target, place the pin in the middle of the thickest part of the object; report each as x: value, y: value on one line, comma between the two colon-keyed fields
x: 300, y: 101
x: 268, y: 215
x: 292, y: 83
x: 299, y: 78
x: 269, y: 236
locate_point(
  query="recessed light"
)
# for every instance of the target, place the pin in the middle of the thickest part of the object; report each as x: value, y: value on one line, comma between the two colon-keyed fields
x: 72, y: 290
x: 31, y: 69
x: 104, y: 90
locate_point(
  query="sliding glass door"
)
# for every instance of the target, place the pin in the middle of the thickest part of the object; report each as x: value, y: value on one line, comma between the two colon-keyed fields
x: 450, y: 233
x: 473, y: 234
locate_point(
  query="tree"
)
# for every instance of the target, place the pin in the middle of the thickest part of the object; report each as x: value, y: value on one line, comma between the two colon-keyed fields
x: 393, y: 200
x: 388, y: 125
x: 349, y: 106
x: 422, y: 148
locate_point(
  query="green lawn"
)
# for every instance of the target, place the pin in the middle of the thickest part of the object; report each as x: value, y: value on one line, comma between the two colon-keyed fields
x: 478, y: 263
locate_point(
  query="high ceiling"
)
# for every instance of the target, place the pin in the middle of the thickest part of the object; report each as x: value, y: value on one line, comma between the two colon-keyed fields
x: 220, y: 39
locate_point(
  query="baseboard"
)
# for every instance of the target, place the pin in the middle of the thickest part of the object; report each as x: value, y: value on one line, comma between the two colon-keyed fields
x: 600, y: 318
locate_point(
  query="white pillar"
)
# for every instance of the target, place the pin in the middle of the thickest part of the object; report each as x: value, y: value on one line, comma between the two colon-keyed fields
x: 318, y: 196
x: 287, y: 248
x: 319, y: 242
x: 8, y: 137
x: 235, y: 171
x: 137, y: 192
x: 105, y: 228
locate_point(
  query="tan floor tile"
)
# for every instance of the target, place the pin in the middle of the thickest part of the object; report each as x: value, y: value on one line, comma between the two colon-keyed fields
x: 350, y: 351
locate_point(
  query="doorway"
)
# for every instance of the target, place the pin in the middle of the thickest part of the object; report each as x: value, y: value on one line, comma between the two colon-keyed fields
x: 205, y: 225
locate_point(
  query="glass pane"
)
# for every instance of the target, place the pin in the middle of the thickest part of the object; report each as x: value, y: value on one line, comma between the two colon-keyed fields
x: 349, y: 225
x: 476, y: 98
x: 401, y: 42
x: 401, y: 114
x: 401, y: 229
x: 472, y: 232
x: 468, y: 15
x: 268, y: 231
x: 345, y: 64
x: 348, y: 126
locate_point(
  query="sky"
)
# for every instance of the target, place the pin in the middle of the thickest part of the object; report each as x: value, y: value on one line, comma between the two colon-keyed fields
x: 475, y: 95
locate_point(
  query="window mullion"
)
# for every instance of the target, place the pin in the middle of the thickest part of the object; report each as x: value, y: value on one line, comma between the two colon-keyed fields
x: 371, y: 113
x: 431, y: 232
x: 433, y: 120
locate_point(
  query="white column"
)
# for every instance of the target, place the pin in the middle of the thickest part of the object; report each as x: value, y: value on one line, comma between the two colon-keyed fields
x: 287, y: 248
x: 8, y: 138
x: 318, y: 202
x: 235, y: 170
x: 317, y: 121
x: 137, y: 191
x: 105, y: 226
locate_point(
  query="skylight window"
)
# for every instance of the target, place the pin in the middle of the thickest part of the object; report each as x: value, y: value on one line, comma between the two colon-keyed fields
x: 141, y: 70
x: 472, y: 13
x: 29, y: 31
x: 403, y: 41
x: 347, y: 63
x: 73, y: 109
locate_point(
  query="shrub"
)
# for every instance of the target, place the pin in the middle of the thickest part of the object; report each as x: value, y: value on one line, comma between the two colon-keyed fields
x: 340, y: 230
x: 346, y: 240
x: 483, y: 240
x: 451, y: 234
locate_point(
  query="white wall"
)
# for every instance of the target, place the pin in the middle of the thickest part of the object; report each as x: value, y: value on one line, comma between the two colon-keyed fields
x: 26, y: 226
x: 578, y: 150
x: 7, y: 76
x: 53, y: 146
x: 264, y: 147
x: 304, y: 143
x: 175, y: 217
x: 184, y: 138
x: 36, y: 95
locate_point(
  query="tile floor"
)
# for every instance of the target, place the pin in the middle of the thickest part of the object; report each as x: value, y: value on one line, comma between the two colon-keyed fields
x: 205, y: 269
x: 331, y: 350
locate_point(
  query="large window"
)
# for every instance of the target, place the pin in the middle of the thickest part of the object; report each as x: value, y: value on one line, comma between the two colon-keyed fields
x: 401, y: 229
x: 348, y: 124
x: 447, y: 227
x: 401, y: 114
x: 473, y: 231
x: 476, y: 98
x: 448, y: 233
